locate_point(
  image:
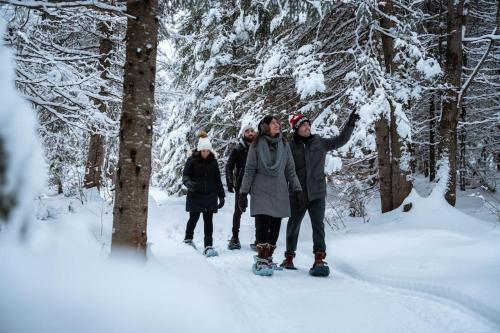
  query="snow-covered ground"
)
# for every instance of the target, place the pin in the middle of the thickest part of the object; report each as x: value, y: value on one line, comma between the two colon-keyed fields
x: 434, y: 269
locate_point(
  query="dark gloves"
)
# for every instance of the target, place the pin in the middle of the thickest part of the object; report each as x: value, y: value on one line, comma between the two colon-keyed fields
x: 221, y: 202
x: 299, y: 199
x: 243, y: 202
x: 230, y: 187
x: 191, y: 186
x: 353, y: 118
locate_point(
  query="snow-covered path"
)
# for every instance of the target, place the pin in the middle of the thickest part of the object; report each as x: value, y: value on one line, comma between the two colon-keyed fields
x: 292, y: 301
x: 434, y: 269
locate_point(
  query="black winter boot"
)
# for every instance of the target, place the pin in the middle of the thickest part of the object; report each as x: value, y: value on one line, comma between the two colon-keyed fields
x: 234, y: 244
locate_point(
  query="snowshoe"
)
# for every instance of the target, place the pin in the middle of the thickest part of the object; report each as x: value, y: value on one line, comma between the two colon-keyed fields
x: 261, y: 267
x: 210, y: 252
x: 190, y: 243
x: 320, y: 267
x: 320, y: 271
x: 274, y: 265
x: 234, y: 244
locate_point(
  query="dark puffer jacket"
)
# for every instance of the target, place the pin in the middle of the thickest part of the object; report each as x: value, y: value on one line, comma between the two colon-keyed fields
x: 203, y: 180
x: 235, y: 167
x: 309, y: 157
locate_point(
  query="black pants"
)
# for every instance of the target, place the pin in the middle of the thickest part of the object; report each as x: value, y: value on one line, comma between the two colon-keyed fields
x: 316, y: 210
x: 208, y: 226
x: 267, y: 229
x: 236, y: 215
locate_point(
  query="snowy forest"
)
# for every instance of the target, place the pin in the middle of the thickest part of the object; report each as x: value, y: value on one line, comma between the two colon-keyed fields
x: 110, y: 103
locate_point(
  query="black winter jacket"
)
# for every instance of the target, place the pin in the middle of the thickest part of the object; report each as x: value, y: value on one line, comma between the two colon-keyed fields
x: 235, y: 167
x: 203, y: 180
x: 309, y: 158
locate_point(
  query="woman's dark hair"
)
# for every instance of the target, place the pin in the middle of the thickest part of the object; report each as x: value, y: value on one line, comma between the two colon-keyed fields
x: 197, y: 154
x: 263, y: 128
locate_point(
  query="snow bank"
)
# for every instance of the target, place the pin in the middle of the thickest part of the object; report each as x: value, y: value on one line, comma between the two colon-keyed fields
x: 25, y: 172
x: 434, y: 251
x: 61, y: 279
x: 91, y: 294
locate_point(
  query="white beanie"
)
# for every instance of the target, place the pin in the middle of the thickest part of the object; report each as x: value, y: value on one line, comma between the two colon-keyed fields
x: 244, y: 128
x: 204, y: 142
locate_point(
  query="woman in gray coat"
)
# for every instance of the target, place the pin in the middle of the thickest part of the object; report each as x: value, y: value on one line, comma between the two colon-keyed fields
x: 269, y: 173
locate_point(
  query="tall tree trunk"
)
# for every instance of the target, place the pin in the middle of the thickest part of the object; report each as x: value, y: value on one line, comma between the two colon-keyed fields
x: 463, y: 138
x: 432, y: 140
x: 449, y: 115
x: 384, y: 164
x: 95, y: 158
x: 400, y: 185
x: 134, y: 160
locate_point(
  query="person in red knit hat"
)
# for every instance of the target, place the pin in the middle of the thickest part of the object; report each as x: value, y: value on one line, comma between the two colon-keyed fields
x: 309, y: 154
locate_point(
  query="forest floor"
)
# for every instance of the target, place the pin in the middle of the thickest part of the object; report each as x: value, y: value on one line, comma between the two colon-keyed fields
x: 434, y: 269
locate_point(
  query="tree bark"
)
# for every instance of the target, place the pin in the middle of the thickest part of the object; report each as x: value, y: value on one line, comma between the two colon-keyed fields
x: 384, y: 164
x: 432, y: 140
x: 463, y: 138
x: 95, y: 159
x: 400, y: 186
x: 134, y: 160
x: 449, y: 115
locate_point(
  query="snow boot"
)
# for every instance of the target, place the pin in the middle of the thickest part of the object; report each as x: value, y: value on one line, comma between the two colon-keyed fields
x: 261, y: 265
x: 190, y: 243
x: 320, y: 267
x: 288, y: 261
x: 234, y: 244
x: 210, y: 252
x: 273, y: 265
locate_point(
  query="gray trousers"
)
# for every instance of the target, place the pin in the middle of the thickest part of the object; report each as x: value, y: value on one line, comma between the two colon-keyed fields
x: 316, y: 210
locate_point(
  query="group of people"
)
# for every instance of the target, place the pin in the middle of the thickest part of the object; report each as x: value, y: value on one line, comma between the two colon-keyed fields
x: 284, y: 178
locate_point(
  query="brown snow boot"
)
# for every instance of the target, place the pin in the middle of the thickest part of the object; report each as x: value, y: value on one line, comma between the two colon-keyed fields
x: 288, y: 261
x: 261, y: 265
x: 262, y: 250
x: 320, y: 267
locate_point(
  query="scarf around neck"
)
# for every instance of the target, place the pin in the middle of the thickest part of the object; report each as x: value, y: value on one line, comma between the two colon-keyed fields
x: 271, y: 167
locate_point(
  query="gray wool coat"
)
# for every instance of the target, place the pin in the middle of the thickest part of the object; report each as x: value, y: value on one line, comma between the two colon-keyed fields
x: 269, y: 194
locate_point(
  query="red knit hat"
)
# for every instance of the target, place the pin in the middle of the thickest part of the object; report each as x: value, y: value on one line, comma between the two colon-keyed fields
x: 297, y: 120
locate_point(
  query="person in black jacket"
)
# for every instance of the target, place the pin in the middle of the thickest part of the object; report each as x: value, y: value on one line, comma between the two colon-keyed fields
x: 205, y: 194
x: 235, y: 169
x: 309, y: 154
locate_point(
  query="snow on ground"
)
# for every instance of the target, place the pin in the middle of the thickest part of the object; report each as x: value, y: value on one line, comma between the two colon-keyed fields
x: 434, y: 269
